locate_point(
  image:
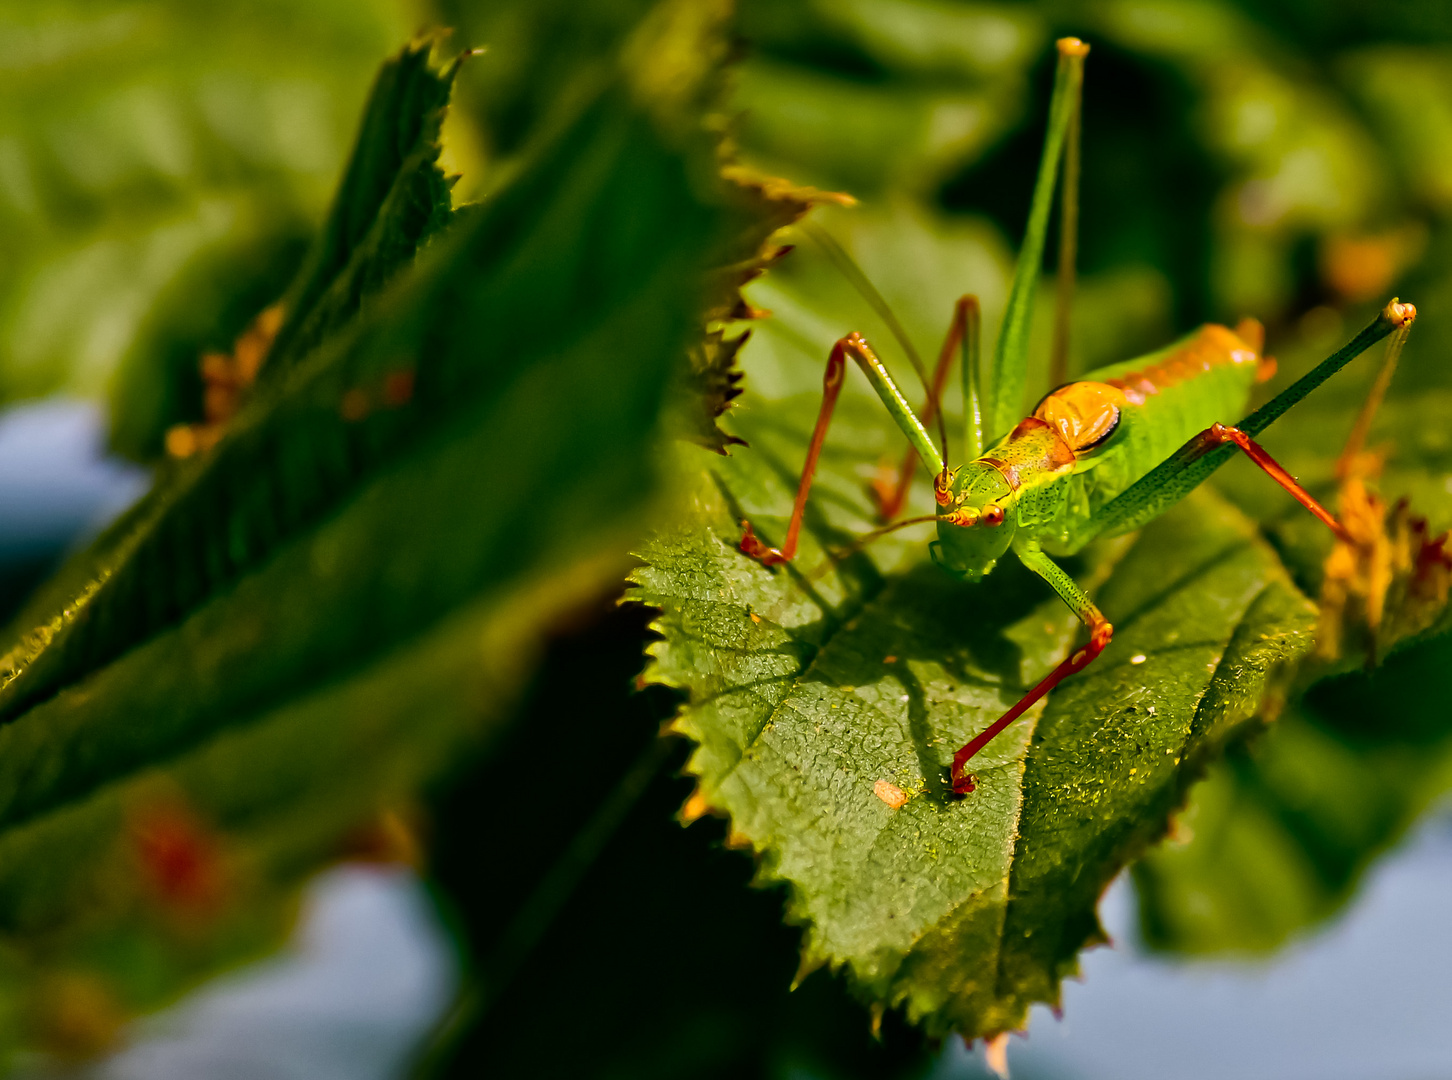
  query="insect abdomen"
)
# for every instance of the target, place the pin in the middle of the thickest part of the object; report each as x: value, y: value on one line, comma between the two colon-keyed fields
x: 1124, y: 419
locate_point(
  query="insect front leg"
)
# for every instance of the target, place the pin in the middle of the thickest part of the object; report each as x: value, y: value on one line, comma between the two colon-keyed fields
x: 852, y: 346
x: 963, y: 335
x: 1100, y: 634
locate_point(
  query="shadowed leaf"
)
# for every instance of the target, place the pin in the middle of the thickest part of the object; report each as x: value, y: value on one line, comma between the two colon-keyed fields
x: 1281, y: 834
x: 392, y: 199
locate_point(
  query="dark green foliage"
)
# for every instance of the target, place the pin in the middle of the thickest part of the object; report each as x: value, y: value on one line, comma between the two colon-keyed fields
x: 652, y: 894
x: 297, y: 630
x: 543, y: 57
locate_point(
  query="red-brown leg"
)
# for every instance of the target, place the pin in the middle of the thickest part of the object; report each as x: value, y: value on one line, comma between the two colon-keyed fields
x: 891, y: 495
x: 1219, y: 434
x: 831, y: 388
x: 1100, y: 634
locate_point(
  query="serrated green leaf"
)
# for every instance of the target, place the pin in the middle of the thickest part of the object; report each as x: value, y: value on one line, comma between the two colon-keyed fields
x: 824, y: 696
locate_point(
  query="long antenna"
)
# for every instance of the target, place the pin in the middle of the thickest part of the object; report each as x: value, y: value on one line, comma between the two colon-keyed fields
x: 1356, y: 441
x: 1068, y: 242
x: 859, y: 281
x: 1010, y: 353
x: 972, y: 379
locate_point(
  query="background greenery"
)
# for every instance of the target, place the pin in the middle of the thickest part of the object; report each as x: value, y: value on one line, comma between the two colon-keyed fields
x: 163, y: 170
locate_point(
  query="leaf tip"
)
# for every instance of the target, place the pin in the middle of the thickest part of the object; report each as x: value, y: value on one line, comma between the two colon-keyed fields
x: 995, y: 1054
x: 810, y: 962
x: 694, y: 808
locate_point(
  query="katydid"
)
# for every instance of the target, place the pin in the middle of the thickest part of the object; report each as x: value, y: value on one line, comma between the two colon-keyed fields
x: 1098, y: 456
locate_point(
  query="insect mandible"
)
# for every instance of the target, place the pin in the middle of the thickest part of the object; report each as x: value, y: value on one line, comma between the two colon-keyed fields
x: 1098, y: 456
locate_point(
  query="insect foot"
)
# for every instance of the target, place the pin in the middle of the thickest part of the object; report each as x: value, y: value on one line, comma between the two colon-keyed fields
x: 750, y: 545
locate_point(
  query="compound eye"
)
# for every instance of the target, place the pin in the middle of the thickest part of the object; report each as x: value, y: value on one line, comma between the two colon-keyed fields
x: 992, y: 515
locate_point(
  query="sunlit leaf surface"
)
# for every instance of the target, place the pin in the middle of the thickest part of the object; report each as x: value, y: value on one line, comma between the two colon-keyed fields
x: 828, y: 698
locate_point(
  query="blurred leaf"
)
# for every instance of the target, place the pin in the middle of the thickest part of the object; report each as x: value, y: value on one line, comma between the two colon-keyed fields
x: 392, y: 199
x: 1296, y: 157
x: 897, y: 136
x: 337, y: 603
x: 142, y: 146
x: 875, y: 94
x: 545, y: 55
x: 1280, y: 835
x: 1408, y: 92
x: 921, y: 38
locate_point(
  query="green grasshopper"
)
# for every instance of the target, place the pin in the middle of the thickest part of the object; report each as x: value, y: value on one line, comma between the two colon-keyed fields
x: 1099, y: 456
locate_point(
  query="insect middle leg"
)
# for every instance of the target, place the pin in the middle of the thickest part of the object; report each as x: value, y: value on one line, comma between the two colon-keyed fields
x: 1100, y: 634
x: 852, y: 346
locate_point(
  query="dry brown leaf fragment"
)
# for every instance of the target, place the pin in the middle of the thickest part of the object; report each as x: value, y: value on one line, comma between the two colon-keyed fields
x: 1390, y: 583
x: 225, y: 378
x: 760, y: 207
